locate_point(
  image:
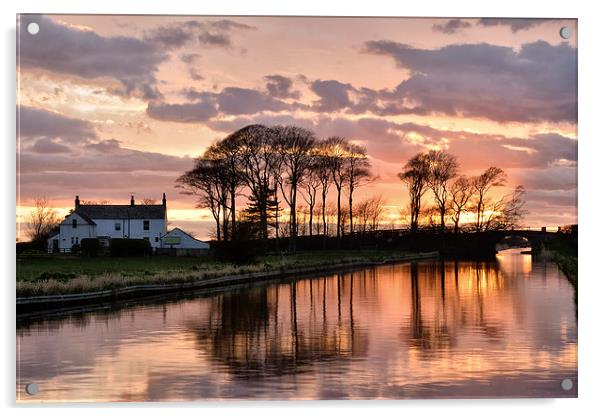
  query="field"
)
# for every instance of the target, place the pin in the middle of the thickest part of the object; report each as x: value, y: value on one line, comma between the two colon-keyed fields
x: 60, y: 274
x: 44, y: 267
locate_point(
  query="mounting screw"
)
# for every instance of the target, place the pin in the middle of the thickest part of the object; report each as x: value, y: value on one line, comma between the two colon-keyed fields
x: 32, y: 389
x: 565, y: 32
x: 566, y: 384
x: 33, y: 28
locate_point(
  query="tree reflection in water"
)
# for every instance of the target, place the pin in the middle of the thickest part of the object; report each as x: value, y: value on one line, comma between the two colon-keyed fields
x: 284, y: 329
x: 258, y: 333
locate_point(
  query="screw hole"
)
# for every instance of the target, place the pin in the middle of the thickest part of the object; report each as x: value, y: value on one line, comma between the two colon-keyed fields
x: 565, y: 32
x: 566, y: 384
x: 32, y: 389
x: 33, y: 28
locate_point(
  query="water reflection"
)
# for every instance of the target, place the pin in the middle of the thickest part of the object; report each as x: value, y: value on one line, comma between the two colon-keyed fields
x: 423, y: 329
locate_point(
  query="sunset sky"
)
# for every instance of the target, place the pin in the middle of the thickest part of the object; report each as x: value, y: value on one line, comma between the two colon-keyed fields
x: 115, y: 105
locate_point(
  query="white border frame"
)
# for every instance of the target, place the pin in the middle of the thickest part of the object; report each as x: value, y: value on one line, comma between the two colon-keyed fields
x: 590, y: 149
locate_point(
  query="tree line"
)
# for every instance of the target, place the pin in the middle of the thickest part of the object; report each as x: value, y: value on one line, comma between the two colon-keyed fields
x: 276, y: 166
x: 288, y: 168
x: 455, y: 195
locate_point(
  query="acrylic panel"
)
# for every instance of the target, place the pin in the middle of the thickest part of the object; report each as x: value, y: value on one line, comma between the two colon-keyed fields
x: 295, y: 208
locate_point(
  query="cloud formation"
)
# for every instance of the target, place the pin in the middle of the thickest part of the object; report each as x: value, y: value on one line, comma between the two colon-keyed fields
x: 61, y: 153
x: 515, y: 25
x: 207, y: 33
x: 334, y: 95
x: 451, y: 26
x: 196, y: 112
x: 536, y: 83
x: 85, y: 54
x: 279, y: 86
x: 203, y: 105
x: 35, y: 123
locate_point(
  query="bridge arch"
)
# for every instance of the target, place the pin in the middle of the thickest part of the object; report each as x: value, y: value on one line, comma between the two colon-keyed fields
x: 533, y: 237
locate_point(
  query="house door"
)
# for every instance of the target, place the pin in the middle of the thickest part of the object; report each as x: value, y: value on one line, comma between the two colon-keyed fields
x: 55, y: 246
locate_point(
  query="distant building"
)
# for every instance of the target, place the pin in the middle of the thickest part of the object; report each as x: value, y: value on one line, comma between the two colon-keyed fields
x: 147, y: 222
x: 180, y: 243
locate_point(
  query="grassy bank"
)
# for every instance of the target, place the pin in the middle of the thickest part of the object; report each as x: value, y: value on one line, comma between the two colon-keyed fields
x: 563, y: 250
x: 50, y: 275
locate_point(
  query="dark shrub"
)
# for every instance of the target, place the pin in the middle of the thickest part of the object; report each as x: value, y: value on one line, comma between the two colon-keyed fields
x: 90, y: 247
x: 130, y: 247
x: 25, y: 246
x: 239, y: 252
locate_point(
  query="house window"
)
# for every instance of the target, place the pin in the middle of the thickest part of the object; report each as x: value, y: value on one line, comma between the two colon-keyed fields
x: 146, y: 225
x: 117, y: 226
x: 72, y: 240
x: 76, y: 240
x: 156, y: 239
x: 74, y: 223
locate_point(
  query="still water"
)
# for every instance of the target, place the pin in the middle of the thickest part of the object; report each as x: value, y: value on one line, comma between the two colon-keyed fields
x: 429, y: 329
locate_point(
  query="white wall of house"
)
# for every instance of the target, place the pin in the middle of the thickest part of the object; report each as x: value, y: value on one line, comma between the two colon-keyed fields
x: 118, y: 228
x: 132, y: 228
x: 184, y: 240
x: 70, y: 234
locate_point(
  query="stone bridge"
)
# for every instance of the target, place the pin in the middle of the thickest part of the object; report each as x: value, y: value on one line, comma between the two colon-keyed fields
x: 534, y: 236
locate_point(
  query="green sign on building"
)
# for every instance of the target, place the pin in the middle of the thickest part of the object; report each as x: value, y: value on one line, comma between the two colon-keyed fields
x: 171, y: 240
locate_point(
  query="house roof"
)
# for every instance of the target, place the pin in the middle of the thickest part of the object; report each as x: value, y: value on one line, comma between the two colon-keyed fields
x: 182, y: 231
x: 85, y: 217
x: 113, y: 212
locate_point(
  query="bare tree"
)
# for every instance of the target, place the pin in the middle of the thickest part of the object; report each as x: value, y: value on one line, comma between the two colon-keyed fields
x: 93, y: 202
x: 514, y: 209
x: 506, y: 212
x: 311, y: 185
x: 41, y: 220
x: 229, y: 152
x: 149, y: 201
x: 492, y: 177
x: 430, y: 216
x: 357, y: 172
x: 302, y: 220
x: 443, y: 167
x: 258, y: 166
x: 415, y: 174
x: 294, y: 147
x: 323, y: 170
x: 377, y: 209
x: 461, y: 192
x: 205, y: 181
x: 336, y: 153
x: 369, y: 214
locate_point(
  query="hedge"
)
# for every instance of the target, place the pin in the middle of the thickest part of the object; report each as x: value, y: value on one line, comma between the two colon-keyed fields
x: 130, y: 247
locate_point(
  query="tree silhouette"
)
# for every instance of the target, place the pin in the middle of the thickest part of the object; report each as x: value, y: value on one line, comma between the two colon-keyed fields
x: 357, y: 171
x: 492, y: 177
x: 442, y: 168
x: 41, y: 221
x: 293, y: 145
x: 461, y: 192
x: 415, y: 175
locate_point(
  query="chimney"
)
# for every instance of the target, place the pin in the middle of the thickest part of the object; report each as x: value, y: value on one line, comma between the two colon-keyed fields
x: 132, y: 202
x: 76, y: 201
x: 164, y: 200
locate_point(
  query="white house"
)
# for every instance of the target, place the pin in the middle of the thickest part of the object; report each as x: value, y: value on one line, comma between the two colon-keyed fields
x: 147, y: 222
x: 183, y: 244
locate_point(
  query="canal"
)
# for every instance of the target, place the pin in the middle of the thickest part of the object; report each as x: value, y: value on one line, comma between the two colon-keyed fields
x: 505, y: 327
